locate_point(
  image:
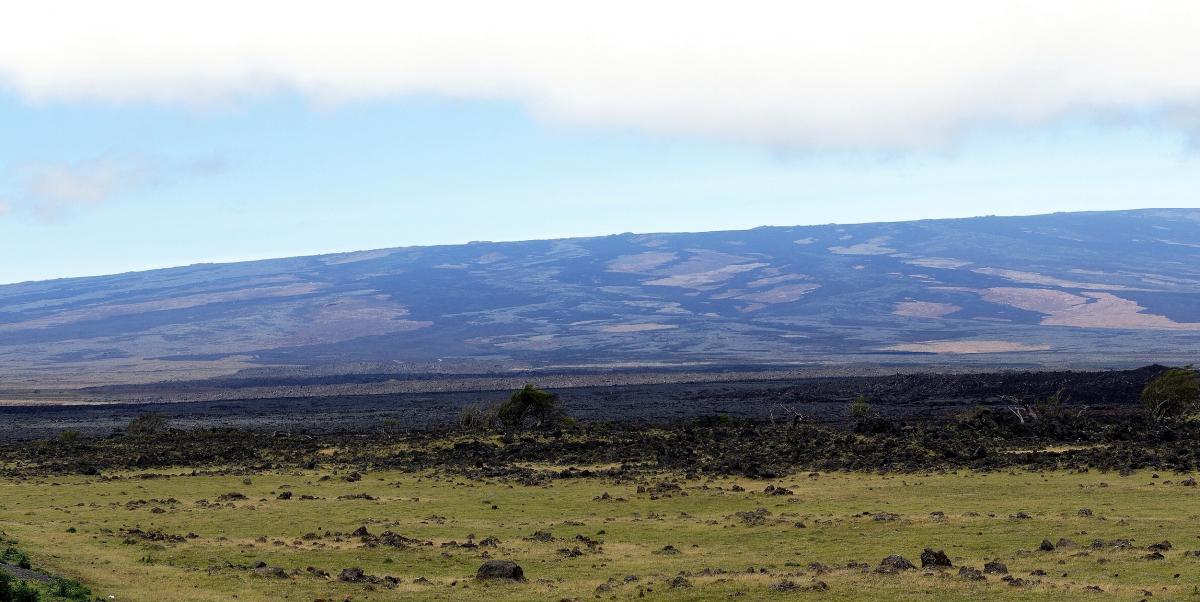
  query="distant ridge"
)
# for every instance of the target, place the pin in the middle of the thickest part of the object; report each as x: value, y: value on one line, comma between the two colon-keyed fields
x: 1120, y: 287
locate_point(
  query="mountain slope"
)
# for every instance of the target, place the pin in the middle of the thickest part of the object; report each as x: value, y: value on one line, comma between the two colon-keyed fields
x: 1109, y: 286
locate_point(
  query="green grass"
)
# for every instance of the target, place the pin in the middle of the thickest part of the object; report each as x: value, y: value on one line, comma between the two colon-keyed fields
x: 716, y: 549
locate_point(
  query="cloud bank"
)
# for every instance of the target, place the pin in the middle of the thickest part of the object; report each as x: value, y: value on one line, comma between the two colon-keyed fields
x: 849, y: 74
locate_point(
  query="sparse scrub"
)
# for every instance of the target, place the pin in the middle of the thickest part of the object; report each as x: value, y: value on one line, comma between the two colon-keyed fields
x: 479, y: 417
x: 147, y: 425
x: 70, y: 589
x: 1173, y: 395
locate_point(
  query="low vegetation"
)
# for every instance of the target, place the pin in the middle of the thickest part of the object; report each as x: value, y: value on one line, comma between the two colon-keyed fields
x: 332, y: 533
x: 1173, y: 395
x: 1040, y: 500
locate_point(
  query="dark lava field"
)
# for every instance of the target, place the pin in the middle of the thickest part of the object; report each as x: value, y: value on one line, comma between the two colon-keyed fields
x: 928, y: 396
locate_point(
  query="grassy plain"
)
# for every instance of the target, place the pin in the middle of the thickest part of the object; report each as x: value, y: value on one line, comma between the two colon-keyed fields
x: 78, y: 526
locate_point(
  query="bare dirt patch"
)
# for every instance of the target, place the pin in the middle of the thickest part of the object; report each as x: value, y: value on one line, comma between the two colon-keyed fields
x: 780, y: 294
x: 938, y: 262
x: 965, y: 347
x: 924, y: 309
x: 626, y: 328
x: 1086, y: 310
x: 873, y: 246
x: 1035, y: 278
x: 641, y: 262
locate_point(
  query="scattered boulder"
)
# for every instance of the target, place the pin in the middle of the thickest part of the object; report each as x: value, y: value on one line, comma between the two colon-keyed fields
x: 786, y: 585
x: 995, y: 567
x: 1046, y: 546
x: 894, y: 564
x: 938, y: 559
x: 270, y: 571
x: 971, y: 574
x: 500, y: 569
x: 351, y: 575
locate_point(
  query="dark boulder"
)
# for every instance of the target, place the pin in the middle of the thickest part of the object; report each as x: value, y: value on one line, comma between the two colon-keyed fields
x: 971, y: 574
x: 500, y: 569
x: 271, y: 571
x: 995, y: 567
x: 894, y: 564
x: 351, y: 575
x: 938, y: 559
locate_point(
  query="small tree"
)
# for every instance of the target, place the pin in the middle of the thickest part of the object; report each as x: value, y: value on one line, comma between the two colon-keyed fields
x: 147, y: 424
x: 528, y: 403
x: 859, y: 408
x: 1174, y: 394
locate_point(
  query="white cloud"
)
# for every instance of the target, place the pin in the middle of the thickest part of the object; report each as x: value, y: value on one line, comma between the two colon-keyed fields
x: 847, y: 74
x: 51, y: 191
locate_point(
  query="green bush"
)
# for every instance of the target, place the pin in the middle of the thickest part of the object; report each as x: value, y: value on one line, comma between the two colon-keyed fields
x: 530, y: 404
x: 20, y: 592
x: 1173, y: 395
x: 71, y: 589
x: 12, y: 555
x: 147, y: 424
x: 859, y: 408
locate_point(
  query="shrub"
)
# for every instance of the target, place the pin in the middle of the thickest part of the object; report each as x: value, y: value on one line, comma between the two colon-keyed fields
x: 21, y: 592
x: 1050, y: 407
x: 71, y: 589
x: 147, y: 424
x: 479, y: 417
x: 12, y: 555
x: 1173, y: 395
x: 859, y: 408
x: 68, y: 436
x: 530, y: 403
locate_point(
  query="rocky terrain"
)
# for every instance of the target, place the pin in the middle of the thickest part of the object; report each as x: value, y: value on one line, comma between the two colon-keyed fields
x: 1011, y: 485
x: 819, y: 398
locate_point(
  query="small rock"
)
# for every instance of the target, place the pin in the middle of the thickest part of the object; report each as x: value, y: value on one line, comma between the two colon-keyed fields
x: 971, y: 574
x: 995, y: 567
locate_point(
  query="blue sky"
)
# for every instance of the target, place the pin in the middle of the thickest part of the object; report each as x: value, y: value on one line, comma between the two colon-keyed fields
x: 119, y: 153
x: 281, y: 176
